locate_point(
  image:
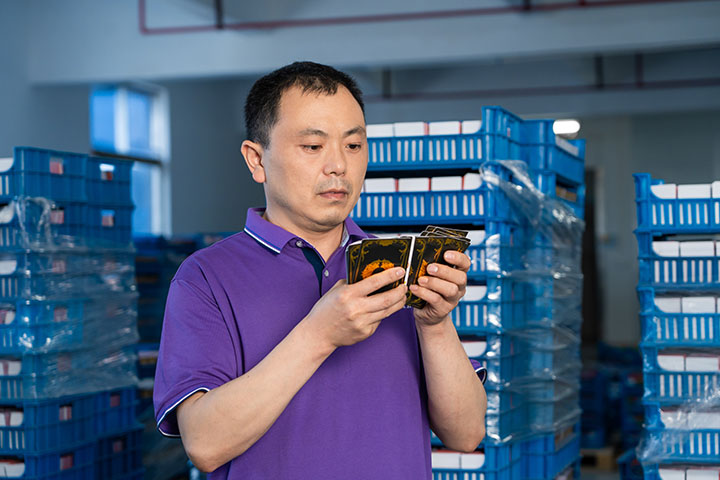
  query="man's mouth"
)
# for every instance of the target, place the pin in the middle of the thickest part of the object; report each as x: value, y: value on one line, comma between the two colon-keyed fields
x: 334, y: 194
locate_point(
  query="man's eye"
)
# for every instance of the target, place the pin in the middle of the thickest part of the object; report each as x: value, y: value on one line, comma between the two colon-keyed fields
x: 312, y: 148
x: 355, y: 146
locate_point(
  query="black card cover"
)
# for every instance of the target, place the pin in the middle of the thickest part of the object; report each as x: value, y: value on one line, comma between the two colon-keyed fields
x: 380, y: 254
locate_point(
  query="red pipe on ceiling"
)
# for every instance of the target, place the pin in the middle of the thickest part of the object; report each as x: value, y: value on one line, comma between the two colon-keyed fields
x: 393, y: 17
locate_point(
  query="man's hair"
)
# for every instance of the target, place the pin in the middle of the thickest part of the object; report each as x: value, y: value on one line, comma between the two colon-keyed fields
x: 263, y: 101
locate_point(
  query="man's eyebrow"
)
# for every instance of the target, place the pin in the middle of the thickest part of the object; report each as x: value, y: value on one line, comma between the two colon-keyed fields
x: 312, y: 131
x: 354, y: 131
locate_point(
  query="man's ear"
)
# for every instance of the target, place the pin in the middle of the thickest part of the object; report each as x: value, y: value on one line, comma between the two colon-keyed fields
x: 253, y: 153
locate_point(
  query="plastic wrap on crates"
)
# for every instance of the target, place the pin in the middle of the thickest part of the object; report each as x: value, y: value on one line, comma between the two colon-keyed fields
x: 44, y: 376
x: 40, y: 326
x: 549, y: 216
x: 688, y: 432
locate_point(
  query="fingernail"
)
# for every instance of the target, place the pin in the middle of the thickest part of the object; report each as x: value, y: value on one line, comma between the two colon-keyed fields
x: 432, y: 268
x: 423, y: 280
x: 449, y: 255
x: 400, y: 272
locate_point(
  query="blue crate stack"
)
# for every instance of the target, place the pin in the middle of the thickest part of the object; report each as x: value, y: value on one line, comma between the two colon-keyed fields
x: 520, y: 316
x: 678, y: 289
x: 69, y: 319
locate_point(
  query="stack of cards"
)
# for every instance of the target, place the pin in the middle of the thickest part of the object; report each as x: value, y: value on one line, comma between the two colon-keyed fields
x: 414, y: 254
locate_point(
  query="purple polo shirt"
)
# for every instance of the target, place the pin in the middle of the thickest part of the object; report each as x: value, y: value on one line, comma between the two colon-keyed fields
x: 362, y: 415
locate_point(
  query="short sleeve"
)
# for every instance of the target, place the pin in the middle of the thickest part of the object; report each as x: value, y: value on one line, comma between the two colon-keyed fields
x: 196, y: 350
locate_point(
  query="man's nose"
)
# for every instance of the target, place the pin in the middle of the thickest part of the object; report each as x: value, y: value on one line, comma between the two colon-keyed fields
x: 336, y: 161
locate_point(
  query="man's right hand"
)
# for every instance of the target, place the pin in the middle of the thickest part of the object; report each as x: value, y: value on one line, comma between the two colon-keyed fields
x: 348, y: 314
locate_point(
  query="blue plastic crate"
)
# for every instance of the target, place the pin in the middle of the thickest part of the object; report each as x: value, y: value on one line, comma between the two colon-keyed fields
x: 505, y: 358
x: 696, y: 446
x: 500, y: 252
x: 550, y: 184
x: 502, y: 309
x: 147, y: 359
x: 672, y: 388
x: 36, y: 172
x: 27, y: 325
x: 545, y: 415
x: 115, y: 411
x: 39, y: 426
x: 108, y: 181
x: 120, y: 454
x: 564, y: 159
x: 675, y: 273
x: 673, y: 215
x: 474, y: 207
x: 548, y: 455
x: 502, y: 461
x: 110, y: 225
x: 42, y: 222
x: 669, y: 329
x: 507, y: 414
x: 593, y: 437
x: 65, y: 464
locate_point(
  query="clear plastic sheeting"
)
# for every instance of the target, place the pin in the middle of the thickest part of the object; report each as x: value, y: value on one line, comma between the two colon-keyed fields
x: 68, y: 302
x: 688, y: 432
x: 546, y: 214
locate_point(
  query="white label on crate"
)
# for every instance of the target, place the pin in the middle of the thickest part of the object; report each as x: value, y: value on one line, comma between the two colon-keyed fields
x: 668, y: 304
x: 476, y: 237
x: 567, y: 146
x: 716, y: 189
x: 380, y: 130
x: 7, y: 316
x: 12, y: 468
x: 697, y: 249
x: 57, y: 217
x: 11, y: 417
x: 8, y: 266
x: 7, y: 213
x: 444, y: 128
x: 702, y: 363
x: 380, y: 185
x: 671, y: 473
x: 472, y: 181
x: 673, y: 419
x: 693, y: 191
x: 664, y: 190
x: 699, y: 304
x: 410, y: 129
x: 56, y: 166
x: 474, y: 348
x: 6, y: 164
x: 65, y: 413
x: 471, y: 126
x: 666, y: 249
x: 704, y: 420
x: 420, y: 184
x: 445, y: 459
x: 472, y: 461
x: 473, y: 293
x: 702, y: 473
x: 446, y: 184
x: 10, y: 367
x: 107, y: 171
x: 671, y: 363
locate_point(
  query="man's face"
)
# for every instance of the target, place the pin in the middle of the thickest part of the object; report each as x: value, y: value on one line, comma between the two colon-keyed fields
x: 315, y: 164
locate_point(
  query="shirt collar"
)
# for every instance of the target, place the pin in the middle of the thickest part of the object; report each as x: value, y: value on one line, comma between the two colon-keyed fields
x: 275, y: 238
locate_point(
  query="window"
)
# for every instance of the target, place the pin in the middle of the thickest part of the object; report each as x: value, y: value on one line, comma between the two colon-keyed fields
x: 132, y: 122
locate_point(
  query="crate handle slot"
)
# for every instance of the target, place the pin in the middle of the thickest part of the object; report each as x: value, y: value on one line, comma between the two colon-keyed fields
x: 65, y: 412
x: 67, y: 461
x: 108, y: 218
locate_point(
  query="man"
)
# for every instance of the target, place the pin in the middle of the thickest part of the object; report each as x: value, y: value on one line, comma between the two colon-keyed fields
x: 270, y: 365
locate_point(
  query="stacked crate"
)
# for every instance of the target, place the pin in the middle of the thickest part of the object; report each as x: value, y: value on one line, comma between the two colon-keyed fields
x: 67, y: 303
x: 521, y: 310
x: 678, y: 289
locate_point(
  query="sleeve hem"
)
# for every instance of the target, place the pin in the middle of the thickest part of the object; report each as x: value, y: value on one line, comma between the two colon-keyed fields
x: 481, y: 372
x: 172, y: 407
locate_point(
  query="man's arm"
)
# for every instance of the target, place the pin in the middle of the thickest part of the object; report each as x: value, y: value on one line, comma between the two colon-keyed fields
x: 221, y: 424
x: 456, y: 397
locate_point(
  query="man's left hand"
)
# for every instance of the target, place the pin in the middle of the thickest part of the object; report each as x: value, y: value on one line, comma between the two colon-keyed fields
x: 441, y: 288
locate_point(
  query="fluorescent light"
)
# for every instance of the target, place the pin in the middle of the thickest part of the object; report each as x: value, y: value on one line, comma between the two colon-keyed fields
x: 566, y: 127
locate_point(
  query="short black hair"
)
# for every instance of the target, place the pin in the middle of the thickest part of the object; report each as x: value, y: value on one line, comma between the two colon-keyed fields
x: 261, y: 105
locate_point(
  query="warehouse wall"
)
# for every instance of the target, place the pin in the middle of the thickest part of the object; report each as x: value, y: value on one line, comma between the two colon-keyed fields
x: 211, y: 187
x: 54, y: 117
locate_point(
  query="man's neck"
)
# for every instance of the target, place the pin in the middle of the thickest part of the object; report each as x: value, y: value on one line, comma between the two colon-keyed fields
x: 325, y: 242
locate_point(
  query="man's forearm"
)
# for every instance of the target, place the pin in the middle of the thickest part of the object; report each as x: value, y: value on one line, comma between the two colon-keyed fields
x: 456, y: 398
x: 221, y: 424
